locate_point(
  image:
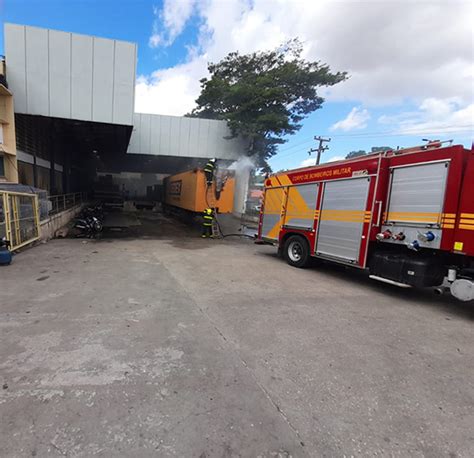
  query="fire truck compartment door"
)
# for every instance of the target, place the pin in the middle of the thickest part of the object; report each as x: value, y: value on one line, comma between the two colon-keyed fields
x: 343, y: 210
x: 272, y: 209
x: 417, y: 194
x: 301, y: 205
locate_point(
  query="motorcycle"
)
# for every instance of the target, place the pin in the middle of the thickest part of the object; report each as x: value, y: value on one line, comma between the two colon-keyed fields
x: 89, y: 226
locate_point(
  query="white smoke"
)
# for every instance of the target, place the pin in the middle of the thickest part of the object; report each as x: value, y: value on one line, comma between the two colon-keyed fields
x: 243, y: 164
x: 242, y: 167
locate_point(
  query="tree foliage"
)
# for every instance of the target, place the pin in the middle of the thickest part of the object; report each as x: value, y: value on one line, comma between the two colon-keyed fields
x: 361, y: 152
x: 354, y: 154
x: 265, y: 95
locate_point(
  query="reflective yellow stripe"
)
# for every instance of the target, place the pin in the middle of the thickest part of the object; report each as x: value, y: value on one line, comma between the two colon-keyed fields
x: 468, y: 228
x: 448, y: 226
x: 467, y: 221
x: 448, y: 220
x: 449, y: 215
x: 413, y: 216
x: 284, y: 180
x: 467, y: 215
x: 353, y: 216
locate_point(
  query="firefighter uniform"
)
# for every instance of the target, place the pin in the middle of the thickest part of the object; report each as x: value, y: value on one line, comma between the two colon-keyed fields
x: 207, y: 223
x: 209, y: 171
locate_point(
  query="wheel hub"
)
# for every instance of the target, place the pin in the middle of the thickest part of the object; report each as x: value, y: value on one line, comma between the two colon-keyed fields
x: 295, y: 251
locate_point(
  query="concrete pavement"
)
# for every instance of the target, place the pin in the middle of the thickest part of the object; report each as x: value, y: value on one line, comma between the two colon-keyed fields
x: 169, y: 345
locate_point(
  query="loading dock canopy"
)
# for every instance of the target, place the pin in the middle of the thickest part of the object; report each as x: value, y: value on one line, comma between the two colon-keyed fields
x: 77, y: 148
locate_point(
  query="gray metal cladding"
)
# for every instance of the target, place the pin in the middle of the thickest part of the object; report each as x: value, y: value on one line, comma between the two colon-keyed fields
x: 342, y: 218
x: 272, y: 213
x: 301, y: 205
x: 59, y: 74
x: 81, y: 77
x: 339, y: 239
x: 345, y: 194
x: 162, y: 135
x: 269, y: 222
x: 70, y: 76
x: 417, y: 193
x: 15, y: 44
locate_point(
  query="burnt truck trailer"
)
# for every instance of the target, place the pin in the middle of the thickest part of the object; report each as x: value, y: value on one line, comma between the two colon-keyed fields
x: 407, y: 216
x: 187, y: 192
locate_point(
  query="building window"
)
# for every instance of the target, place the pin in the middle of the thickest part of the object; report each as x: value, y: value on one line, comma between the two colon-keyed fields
x: 2, y: 166
x: 1, y: 134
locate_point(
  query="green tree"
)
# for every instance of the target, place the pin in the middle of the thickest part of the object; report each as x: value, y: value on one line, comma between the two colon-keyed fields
x: 354, y: 154
x: 379, y: 149
x: 264, y: 96
x: 361, y: 152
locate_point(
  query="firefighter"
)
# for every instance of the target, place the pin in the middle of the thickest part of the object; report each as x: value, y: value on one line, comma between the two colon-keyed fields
x: 208, y: 215
x: 209, y: 169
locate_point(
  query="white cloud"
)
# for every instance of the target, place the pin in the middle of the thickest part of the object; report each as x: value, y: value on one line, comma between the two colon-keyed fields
x: 335, y: 158
x: 310, y: 161
x: 394, y: 51
x: 155, y: 40
x: 434, y: 116
x: 173, y: 17
x: 307, y: 162
x: 356, y: 119
x: 171, y: 91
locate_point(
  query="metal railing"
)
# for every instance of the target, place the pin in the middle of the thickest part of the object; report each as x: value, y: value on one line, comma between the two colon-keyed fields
x: 63, y: 202
x: 19, y: 218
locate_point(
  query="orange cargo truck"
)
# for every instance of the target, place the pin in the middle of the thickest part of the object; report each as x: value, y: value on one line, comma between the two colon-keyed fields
x: 188, y: 191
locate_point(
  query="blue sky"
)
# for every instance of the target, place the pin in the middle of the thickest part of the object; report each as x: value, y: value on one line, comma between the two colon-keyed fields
x: 393, y: 89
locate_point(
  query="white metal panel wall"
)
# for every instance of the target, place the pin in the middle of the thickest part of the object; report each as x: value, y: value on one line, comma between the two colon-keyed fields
x: 103, y: 80
x: 161, y: 135
x: 124, y: 82
x: 60, y: 74
x: 15, y: 48
x: 37, y: 74
x: 70, y: 76
x: 165, y: 140
x: 155, y: 135
x: 81, y: 77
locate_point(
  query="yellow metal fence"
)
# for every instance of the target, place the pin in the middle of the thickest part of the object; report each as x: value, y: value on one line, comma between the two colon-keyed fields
x: 19, y: 218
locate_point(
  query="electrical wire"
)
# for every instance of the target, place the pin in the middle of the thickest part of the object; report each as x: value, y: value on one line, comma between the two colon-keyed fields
x: 377, y: 135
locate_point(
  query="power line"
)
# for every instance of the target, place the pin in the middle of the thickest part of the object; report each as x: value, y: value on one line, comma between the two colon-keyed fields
x: 362, y: 134
x: 320, y: 149
x: 375, y: 135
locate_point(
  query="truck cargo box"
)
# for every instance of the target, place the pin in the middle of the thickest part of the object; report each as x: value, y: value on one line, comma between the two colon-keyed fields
x: 189, y: 191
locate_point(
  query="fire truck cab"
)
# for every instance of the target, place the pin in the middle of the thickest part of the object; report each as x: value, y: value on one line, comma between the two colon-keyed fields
x: 406, y: 216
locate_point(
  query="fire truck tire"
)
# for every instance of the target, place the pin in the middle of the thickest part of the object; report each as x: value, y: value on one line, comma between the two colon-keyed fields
x: 296, y: 251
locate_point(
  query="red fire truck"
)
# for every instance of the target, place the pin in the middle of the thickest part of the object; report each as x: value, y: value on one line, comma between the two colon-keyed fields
x: 406, y: 216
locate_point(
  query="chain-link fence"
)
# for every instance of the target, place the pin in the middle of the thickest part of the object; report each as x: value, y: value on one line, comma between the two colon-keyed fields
x: 19, y: 218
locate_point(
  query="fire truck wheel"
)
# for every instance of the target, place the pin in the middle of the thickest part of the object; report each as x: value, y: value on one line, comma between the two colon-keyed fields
x: 296, y: 251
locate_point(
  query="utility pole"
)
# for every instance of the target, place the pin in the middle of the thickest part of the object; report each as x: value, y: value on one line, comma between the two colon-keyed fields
x: 320, y: 149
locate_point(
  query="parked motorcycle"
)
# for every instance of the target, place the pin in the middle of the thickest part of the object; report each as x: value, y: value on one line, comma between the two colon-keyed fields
x: 89, y: 226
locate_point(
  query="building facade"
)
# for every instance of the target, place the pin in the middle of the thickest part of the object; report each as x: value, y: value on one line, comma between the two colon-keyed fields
x: 74, y: 116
